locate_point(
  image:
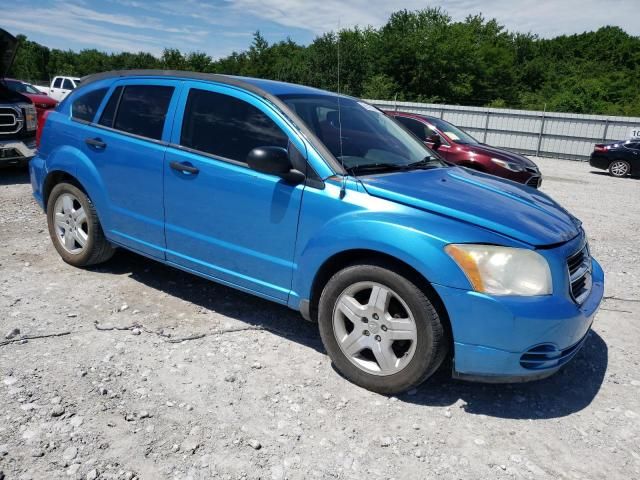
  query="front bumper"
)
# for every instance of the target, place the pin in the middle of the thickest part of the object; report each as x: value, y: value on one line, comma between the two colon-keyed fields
x: 511, y: 339
x: 13, y: 152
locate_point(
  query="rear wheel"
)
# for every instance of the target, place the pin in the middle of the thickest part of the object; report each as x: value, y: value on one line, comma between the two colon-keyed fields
x: 74, y: 227
x: 619, y: 168
x: 380, y: 330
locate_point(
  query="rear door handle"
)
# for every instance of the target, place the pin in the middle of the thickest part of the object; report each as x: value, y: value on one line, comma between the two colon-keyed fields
x: 95, y: 142
x: 184, y: 168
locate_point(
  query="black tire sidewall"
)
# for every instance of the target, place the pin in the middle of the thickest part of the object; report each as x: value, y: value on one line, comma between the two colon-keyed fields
x: 82, y: 258
x: 427, y: 356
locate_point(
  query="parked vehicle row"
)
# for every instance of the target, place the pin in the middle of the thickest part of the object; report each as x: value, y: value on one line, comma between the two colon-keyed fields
x: 18, y: 116
x: 459, y: 147
x: 620, y: 158
x: 323, y: 203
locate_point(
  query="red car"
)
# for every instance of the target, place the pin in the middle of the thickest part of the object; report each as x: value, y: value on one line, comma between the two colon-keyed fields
x: 457, y: 146
x: 41, y: 101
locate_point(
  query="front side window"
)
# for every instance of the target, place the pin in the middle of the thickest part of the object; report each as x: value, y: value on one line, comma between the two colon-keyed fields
x: 227, y: 127
x: 361, y: 137
x: 414, y: 126
x: 67, y: 84
x: 142, y: 110
x: 86, y: 106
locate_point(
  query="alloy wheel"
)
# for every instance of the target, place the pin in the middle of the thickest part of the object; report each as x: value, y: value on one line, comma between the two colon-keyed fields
x: 619, y: 168
x: 374, y: 328
x: 70, y: 222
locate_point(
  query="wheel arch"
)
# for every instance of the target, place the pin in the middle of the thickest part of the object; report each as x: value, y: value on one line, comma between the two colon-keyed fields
x: 343, y: 259
x: 55, y: 177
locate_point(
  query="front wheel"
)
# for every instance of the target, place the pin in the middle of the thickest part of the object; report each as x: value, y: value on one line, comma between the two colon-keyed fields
x: 74, y: 227
x: 619, y: 168
x: 380, y: 330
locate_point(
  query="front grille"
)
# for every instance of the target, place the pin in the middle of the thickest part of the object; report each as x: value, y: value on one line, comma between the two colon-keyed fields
x: 579, y: 266
x: 10, y: 120
x: 533, y: 182
x: 548, y: 355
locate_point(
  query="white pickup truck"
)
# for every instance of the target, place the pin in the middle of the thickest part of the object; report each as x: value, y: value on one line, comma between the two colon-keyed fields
x: 60, y: 87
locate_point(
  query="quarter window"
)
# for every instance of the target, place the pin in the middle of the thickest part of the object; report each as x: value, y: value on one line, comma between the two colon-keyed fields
x: 227, y: 127
x: 86, y: 106
x: 142, y: 110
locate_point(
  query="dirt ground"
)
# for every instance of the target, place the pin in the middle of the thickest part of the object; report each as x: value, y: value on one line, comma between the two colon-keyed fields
x: 255, y: 396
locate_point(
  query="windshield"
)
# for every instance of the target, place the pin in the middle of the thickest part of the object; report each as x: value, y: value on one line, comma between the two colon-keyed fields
x: 453, y: 132
x: 371, y: 141
x: 21, y: 87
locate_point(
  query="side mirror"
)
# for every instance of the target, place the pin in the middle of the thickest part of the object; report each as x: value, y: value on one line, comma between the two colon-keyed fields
x: 274, y: 161
x: 435, y: 139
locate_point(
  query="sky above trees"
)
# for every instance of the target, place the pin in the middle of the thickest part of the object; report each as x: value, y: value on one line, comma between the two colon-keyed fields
x: 218, y: 27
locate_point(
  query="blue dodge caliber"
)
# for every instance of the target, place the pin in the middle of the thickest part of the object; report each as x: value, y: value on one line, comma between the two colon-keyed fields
x: 320, y: 202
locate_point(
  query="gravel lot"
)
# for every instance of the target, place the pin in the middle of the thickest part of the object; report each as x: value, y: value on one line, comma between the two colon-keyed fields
x: 255, y: 397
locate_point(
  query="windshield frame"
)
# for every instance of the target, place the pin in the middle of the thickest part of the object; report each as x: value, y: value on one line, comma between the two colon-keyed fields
x: 405, y: 148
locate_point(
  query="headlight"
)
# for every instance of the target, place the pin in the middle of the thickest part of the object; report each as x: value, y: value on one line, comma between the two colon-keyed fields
x: 503, y: 270
x: 514, y: 167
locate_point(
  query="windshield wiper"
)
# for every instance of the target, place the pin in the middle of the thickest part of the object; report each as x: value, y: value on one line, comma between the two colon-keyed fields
x: 426, y: 162
x: 375, y: 167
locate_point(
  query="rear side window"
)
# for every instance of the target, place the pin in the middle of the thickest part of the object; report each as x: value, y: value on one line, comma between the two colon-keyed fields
x: 142, y: 110
x: 86, y: 106
x: 227, y: 127
x: 109, y: 112
x: 57, y: 82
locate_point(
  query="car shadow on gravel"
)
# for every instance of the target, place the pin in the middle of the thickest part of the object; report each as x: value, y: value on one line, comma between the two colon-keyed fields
x: 568, y: 391
x: 14, y: 175
x: 607, y: 174
x: 207, y: 294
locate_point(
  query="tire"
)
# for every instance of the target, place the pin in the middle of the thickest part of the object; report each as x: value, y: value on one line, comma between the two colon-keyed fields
x: 409, y: 313
x: 619, y: 168
x: 74, y: 227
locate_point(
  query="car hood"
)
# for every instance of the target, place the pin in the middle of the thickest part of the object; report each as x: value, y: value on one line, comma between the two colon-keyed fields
x: 501, y: 154
x: 505, y: 207
x: 8, y: 47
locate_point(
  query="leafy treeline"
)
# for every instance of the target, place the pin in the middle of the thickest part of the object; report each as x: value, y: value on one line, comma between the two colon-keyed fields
x: 416, y: 56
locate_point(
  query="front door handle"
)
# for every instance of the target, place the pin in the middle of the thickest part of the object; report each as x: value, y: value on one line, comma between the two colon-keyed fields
x: 184, y: 168
x: 95, y: 142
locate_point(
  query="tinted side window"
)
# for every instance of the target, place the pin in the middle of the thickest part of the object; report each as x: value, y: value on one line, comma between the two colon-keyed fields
x: 416, y: 127
x: 142, y: 110
x: 227, y: 127
x: 86, y: 106
x: 109, y: 111
x: 57, y: 83
x: 67, y: 84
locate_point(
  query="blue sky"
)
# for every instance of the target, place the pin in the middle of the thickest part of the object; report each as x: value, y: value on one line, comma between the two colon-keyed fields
x: 219, y: 27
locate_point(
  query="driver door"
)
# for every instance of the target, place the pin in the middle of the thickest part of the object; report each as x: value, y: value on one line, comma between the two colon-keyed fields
x: 223, y: 219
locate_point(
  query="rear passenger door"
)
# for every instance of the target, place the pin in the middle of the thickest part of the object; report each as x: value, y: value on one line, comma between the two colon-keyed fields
x: 223, y: 219
x: 126, y: 146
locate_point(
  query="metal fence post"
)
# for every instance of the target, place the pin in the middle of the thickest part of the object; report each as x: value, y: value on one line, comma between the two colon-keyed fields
x: 486, y: 126
x: 540, y: 134
x: 606, y: 128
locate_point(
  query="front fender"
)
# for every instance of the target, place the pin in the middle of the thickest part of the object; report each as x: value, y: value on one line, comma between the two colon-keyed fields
x: 412, y: 236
